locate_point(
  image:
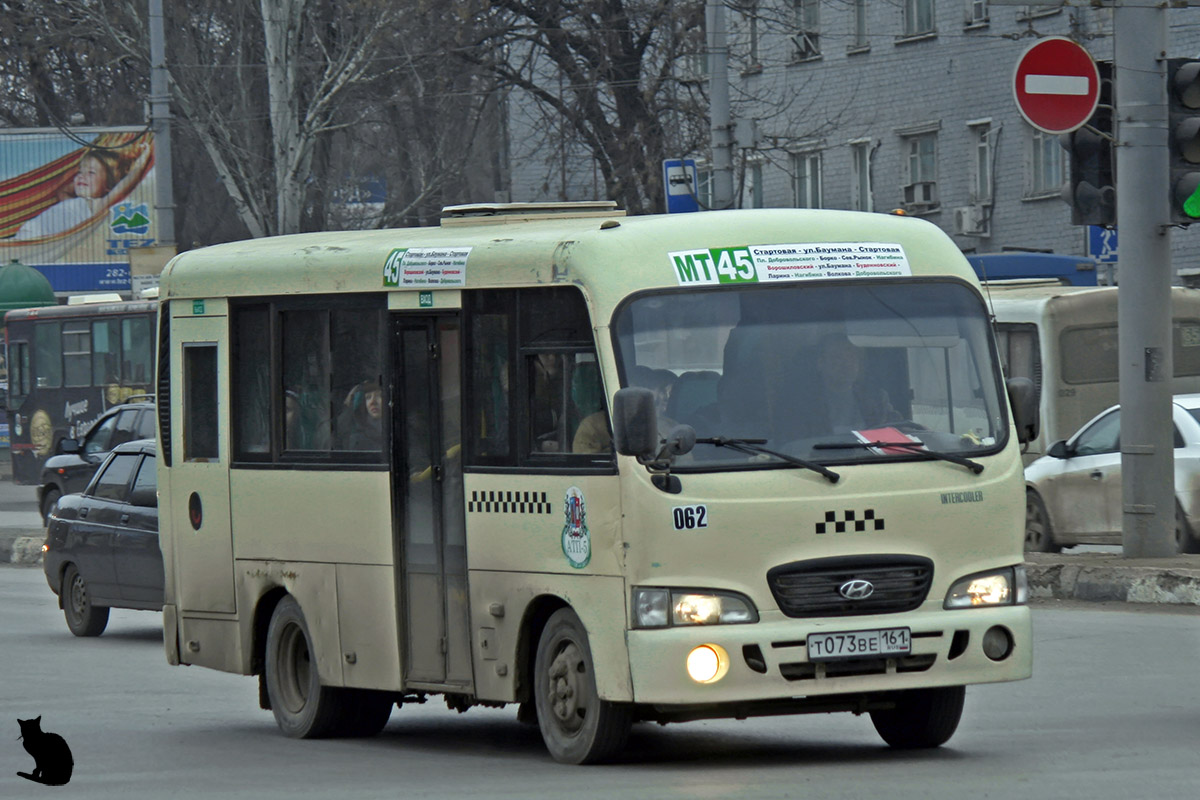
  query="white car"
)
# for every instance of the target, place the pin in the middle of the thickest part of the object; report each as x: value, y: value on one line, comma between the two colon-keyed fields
x: 1073, y: 493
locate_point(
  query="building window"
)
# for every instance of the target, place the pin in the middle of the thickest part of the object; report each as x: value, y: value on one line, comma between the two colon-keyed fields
x: 753, y: 197
x: 860, y: 170
x: 981, y: 174
x: 1047, y: 173
x: 918, y: 17
x: 753, y: 59
x: 977, y: 13
x: 1027, y: 13
x: 704, y: 187
x: 920, y: 166
x: 808, y: 37
x: 806, y: 171
x: 858, y: 26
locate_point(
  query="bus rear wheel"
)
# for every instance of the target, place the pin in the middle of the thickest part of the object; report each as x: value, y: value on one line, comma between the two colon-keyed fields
x: 921, y: 718
x: 303, y: 708
x: 577, y: 726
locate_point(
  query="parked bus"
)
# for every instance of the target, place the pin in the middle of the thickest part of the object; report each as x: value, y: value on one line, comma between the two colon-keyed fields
x: 66, y: 365
x: 1064, y: 339
x: 387, y: 471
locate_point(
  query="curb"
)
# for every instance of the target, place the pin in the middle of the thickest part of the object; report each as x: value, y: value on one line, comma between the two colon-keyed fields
x: 1173, y: 585
x: 22, y: 547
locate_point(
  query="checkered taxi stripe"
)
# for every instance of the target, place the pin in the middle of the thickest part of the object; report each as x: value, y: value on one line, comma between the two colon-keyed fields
x: 849, y: 520
x: 509, y: 503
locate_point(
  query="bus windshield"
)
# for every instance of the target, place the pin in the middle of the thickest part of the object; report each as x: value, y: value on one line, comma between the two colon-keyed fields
x: 832, y: 373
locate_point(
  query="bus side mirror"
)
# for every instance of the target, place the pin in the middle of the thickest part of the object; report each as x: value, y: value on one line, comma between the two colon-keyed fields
x: 635, y: 423
x: 1022, y: 397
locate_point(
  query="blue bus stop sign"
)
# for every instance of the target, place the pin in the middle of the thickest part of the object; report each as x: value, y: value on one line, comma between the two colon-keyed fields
x: 679, y: 182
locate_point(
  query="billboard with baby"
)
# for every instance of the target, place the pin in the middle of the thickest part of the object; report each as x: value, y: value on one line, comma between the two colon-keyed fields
x: 73, y: 202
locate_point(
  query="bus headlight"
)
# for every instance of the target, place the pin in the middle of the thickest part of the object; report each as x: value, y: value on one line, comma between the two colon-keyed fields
x: 1002, y: 587
x: 660, y: 608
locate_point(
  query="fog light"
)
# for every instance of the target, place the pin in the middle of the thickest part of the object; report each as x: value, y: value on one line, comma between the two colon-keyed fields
x: 997, y: 643
x: 707, y: 663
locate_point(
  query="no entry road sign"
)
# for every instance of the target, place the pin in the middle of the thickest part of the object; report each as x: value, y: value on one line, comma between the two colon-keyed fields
x: 1056, y: 85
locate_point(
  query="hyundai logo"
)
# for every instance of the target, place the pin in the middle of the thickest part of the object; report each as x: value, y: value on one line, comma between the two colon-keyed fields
x: 856, y: 590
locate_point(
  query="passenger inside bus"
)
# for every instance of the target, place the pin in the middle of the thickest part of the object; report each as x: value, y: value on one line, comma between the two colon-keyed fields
x: 360, y: 424
x: 587, y: 394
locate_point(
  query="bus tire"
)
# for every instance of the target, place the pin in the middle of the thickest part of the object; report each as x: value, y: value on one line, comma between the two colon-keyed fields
x: 921, y: 718
x: 577, y: 726
x: 1039, y: 535
x: 303, y: 708
x: 83, y: 618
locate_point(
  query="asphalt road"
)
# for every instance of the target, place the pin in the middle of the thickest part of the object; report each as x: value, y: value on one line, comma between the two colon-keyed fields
x: 1112, y: 712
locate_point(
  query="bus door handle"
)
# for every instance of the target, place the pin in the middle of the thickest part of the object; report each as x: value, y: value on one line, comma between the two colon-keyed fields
x: 1096, y: 475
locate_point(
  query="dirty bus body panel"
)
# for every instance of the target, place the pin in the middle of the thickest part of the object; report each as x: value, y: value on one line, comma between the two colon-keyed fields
x: 413, y: 483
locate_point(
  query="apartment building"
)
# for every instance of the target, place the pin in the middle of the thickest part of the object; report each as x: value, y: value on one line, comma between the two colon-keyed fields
x: 885, y: 104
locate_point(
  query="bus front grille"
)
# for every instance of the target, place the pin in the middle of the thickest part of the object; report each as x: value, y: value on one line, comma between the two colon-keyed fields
x: 808, y: 670
x: 851, y: 585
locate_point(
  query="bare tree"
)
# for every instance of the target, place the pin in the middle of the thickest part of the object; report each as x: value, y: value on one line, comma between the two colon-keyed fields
x: 621, y: 94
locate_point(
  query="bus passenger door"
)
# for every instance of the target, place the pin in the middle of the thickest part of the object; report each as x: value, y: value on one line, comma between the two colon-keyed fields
x: 199, y: 487
x: 427, y: 463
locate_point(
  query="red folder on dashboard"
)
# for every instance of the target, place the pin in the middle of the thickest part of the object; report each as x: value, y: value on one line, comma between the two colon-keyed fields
x: 889, y: 435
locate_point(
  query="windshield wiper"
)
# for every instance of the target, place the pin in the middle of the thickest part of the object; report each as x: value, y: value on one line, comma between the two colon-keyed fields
x: 916, y: 448
x: 754, y: 446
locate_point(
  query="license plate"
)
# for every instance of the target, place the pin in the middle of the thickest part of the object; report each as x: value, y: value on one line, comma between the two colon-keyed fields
x: 859, y: 644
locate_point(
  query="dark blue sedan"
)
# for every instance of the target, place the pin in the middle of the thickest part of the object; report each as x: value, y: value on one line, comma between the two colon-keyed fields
x: 102, y: 548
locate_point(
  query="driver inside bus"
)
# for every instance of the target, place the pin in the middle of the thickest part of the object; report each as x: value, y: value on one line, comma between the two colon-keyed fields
x: 845, y: 400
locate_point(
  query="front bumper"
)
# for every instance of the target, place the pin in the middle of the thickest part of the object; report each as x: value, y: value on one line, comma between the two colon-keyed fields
x: 768, y: 660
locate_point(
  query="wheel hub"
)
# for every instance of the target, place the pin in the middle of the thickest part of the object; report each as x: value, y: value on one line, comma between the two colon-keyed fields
x: 567, y: 699
x: 78, y: 596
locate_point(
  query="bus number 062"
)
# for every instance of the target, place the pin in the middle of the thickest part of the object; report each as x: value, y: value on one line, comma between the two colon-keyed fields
x: 690, y: 517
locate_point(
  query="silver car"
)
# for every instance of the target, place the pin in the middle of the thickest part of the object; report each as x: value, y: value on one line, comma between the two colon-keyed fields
x: 1073, y: 493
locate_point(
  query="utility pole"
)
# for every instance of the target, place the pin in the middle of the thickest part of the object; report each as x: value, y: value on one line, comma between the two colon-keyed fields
x: 160, y: 125
x: 718, y: 92
x: 1144, y: 299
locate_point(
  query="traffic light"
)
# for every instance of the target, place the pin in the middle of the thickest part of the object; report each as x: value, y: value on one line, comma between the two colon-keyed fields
x: 1091, y: 188
x: 1183, y: 103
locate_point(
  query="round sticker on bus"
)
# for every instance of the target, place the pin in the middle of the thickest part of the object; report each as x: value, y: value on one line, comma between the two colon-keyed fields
x: 576, y: 542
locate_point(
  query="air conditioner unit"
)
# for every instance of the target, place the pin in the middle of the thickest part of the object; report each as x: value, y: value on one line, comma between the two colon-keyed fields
x: 922, y: 193
x: 972, y: 220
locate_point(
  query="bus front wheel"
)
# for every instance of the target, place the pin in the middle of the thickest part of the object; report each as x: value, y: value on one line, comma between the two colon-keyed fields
x: 303, y: 708
x: 921, y: 718
x: 577, y: 726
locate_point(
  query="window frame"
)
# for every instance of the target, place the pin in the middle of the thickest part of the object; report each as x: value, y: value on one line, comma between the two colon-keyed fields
x: 521, y: 457
x: 805, y: 165
x: 806, y: 41
x: 1039, y: 143
x: 912, y: 12
x: 860, y: 176
x: 278, y: 455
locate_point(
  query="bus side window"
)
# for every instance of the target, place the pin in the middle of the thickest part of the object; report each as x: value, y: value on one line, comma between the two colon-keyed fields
x: 18, y: 374
x: 47, y: 354
x: 534, y: 379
